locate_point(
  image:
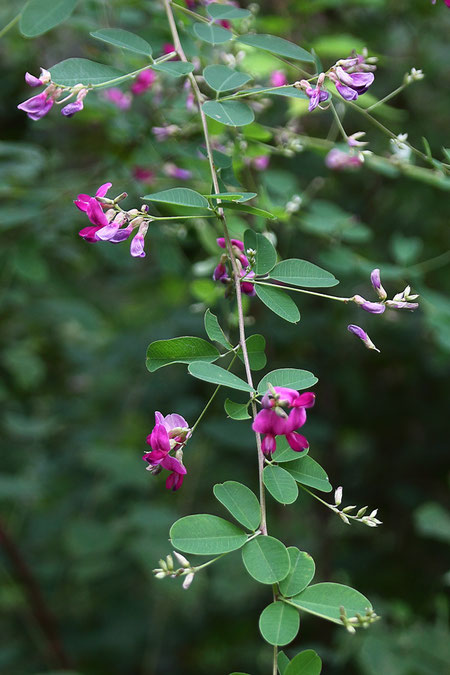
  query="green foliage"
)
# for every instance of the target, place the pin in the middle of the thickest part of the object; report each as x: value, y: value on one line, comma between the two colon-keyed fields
x: 302, y: 273
x: 218, y: 11
x: 173, y: 69
x: 222, y: 78
x: 179, y: 350
x: 277, y: 45
x: 178, y: 197
x: 305, y: 663
x: 307, y: 471
x: 266, y: 255
x: 301, y: 572
x: 256, y: 345
x: 279, y: 303
x: 279, y: 623
x: 266, y: 559
x: 241, y: 502
x: 292, y: 378
x: 230, y: 113
x: 206, y: 535
x: 124, y: 40
x: 40, y: 16
x: 208, y: 372
x: 74, y: 71
x: 214, y: 35
x: 236, y: 411
x: 326, y: 600
x: 214, y: 331
x: 280, y: 484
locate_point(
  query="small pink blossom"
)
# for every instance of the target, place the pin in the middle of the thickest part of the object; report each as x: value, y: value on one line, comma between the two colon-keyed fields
x: 143, y: 82
x: 362, y: 335
x: 74, y: 107
x: 261, y: 163
x: 38, y: 106
x: 44, y: 78
x: 177, y: 172
x: 337, y: 160
x: 118, y: 98
x: 144, y: 175
x: 82, y: 200
x: 169, y: 435
x: 278, y: 78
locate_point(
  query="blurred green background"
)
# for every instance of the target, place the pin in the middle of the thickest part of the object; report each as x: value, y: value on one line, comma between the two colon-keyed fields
x: 82, y: 522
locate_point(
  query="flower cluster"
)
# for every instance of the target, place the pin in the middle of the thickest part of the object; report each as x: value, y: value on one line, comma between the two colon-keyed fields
x: 167, y: 569
x: 242, y: 262
x: 38, y: 106
x: 284, y: 411
x: 352, y: 77
x: 399, y: 301
x: 110, y: 223
x: 169, y: 435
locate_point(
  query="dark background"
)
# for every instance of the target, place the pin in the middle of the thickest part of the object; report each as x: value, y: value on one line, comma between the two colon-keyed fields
x: 83, y: 523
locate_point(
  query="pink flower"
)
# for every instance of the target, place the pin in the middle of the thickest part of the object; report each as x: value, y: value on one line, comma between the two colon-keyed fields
x: 169, y: 434
x: 261, y: 163
x: 72, y: 108
x: 221, y: 272
x: 273, y: 420
x: 143, y: 82
x: 337, y: 160
x: 143, y: 174
x: 371, y: 307
x: 118, y: 98
x: 278, y: 78
x: 82, y: 200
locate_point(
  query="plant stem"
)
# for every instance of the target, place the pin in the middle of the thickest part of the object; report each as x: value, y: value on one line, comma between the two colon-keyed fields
x: 236, y: 276
x: 10, y: 25
x: 301, y: 290
x: 387, y: 98
x: 338, y: 121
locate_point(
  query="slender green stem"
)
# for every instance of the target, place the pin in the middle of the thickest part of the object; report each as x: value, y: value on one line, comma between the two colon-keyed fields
x: 10, y: 25
x: 200, y: 417
x: 431, y: 264
x: 301, y: 290
x: 313, y: 494
x: 189, y: 12
x: 242, y: 94
x: 129, y: 76
x: 338, y: 121
x: 275, y: 660
x: 387, y: 98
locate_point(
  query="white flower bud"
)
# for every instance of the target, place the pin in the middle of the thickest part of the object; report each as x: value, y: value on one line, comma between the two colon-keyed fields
x: 160, y: 575
x: 338, y: 496
x: 188, y: 581
x: 181, y: 559
x: 344, y: 518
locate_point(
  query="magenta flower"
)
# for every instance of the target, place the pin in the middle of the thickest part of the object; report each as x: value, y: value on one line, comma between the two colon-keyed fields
x: 137, y: 246
x: 82, y: 200
x: 169, y: 434
x: 274, y: 420
x: 362, y: 335
x: 278, y: 78
x: 337, y: 160
x: 118, y: 98
x: 143, y: 82
x: 72, y: 108
x: 143, y: 174
x: 37, y: 106
x: 221, y: 272
x: 261, y: 163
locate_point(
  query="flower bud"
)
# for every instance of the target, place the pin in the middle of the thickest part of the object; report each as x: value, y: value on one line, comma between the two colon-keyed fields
x: 160, y: 575
x: 184, y: 562
x: 338, y: 496
x: 188, y: 580
x: 372, y: 307
x: 376, y: 283
x: 359, y: 332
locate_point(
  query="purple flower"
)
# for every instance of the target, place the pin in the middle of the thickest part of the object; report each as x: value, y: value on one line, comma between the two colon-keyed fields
x: 376, y: 283
x: 221, y: 273
x: 261, y: 163
x: 352, y: 85
x: 316, y: 96
x: 372, y: 307
x: 176, y: 172
x: 362, y: 335
x: 44, y: 78
x: 337, y: 160
x: 274, y: 421
x: 37, y: 106
x: 72, y: 108
x: 137, y: 246
x: 395, y: 304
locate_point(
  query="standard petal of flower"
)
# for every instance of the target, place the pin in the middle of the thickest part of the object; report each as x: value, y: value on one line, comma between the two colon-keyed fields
x: 95, y: 213
x: 103, y: 189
